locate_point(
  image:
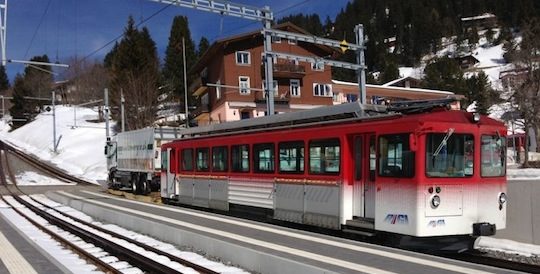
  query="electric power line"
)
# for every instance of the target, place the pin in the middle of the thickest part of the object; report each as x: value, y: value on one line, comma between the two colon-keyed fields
x: 122, y: 35
x: 164, y: 8
x: 37, y: 28
x: 252, y: 23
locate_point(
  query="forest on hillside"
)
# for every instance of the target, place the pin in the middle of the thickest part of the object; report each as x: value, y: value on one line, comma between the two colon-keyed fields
x: 416, y: 25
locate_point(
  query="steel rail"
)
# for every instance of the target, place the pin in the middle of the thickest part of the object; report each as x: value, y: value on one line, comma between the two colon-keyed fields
x: 83, y: 253
x: 51, y: 218
x: 59, y: 174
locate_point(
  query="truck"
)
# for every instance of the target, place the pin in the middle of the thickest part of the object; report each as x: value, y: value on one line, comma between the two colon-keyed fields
x: 134, y: 158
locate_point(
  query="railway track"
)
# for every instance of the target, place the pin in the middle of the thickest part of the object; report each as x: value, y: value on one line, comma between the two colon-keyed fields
x: 49, y: 169
x: 133, y: 254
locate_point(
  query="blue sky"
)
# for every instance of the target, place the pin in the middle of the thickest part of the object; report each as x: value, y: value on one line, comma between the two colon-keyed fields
x: 74, y: 27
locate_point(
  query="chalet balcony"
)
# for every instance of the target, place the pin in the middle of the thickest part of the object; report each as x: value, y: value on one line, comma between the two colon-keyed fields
x: 285, y: 70
x: 198, y: 86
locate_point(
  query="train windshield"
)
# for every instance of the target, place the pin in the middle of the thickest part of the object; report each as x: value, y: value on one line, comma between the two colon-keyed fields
x: 493, y: 156
x: 449, y: 155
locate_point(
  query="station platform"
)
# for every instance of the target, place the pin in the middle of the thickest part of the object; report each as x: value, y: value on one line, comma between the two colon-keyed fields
x: 255, y: 246
x: 18, y: 254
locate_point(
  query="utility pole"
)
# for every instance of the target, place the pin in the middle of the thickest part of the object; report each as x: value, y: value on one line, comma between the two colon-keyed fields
x: 185, y: 81
x: 106, y: 114
x: 122, y: 113
x: 54, y: 119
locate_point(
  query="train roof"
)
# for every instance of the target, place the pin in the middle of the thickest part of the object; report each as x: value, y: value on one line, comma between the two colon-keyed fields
x: 350, y: 112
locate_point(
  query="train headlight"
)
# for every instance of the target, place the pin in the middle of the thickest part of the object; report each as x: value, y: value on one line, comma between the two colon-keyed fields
x: 436, y: 201
x: 502, y: 198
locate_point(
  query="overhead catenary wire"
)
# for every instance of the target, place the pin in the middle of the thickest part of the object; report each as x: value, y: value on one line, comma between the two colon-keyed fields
x: 122, y: 35
x: 37, y: 28
x: 164, y: 8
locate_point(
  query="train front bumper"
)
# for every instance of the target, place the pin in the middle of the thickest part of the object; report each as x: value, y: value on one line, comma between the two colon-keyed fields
x: 484, y: 229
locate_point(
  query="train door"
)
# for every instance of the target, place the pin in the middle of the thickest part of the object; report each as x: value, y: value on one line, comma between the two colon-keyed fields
x: 167, y: 183
x: 364, y: 176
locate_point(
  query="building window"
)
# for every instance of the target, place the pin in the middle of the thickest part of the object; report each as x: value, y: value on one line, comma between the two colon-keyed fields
x: 243, y: 58
x: 317, y: 66
x: 324, y: 90
x: 218, y: 90
x: 292, y: 42
x: 294, y: 88
x: 243, y: 84
x: 276, y: 39
x: 275, y: 84
x: 352, y: 98
x: 244, y: 115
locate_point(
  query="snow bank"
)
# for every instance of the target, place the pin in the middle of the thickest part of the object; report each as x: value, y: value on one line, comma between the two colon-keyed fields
x: 80, y: 151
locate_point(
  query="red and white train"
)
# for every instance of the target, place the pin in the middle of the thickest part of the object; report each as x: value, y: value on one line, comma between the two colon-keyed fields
x: 416, y: 169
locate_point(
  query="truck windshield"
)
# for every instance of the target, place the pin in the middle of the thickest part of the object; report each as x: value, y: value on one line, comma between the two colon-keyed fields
x: 449, y: 155
x: 493, y: 156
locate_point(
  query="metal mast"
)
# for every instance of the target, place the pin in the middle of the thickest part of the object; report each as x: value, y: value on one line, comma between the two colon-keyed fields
x: 3, y: 26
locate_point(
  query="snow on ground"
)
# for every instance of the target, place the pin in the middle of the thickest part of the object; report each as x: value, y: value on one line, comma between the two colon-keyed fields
x: 30, y: 178
x: 80, y: 151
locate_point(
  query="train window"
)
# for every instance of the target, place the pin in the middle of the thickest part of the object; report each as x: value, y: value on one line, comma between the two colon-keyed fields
x: 449, y: 155
x: 263, y: 158
x: 219, y: 159
x: 291, y: 157
x: 372, y: 158
x: 202, y: 159
x: 395, y: 158
x: 324, y: 156
x: 240, y: 158
x: 493, y: 156
x: 187, y: 159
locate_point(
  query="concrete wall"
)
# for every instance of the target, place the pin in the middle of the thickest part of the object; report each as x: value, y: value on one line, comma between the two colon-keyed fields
x: 523, y: 212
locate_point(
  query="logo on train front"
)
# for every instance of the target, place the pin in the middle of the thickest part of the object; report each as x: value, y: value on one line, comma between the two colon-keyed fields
x: 397, y: 219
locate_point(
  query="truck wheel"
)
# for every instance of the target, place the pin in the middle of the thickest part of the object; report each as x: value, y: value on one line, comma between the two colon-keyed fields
x: 144, y: 189
x: 135, y: 186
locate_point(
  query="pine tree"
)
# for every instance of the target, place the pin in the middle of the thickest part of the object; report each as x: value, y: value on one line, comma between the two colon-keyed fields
x: 173, y: 69
x: 311, y: 23
x: 390, y: 72
x: 134, y: 67
x: 445, y: 74
x: 203, y: 46
x: 4, y: 82
x: 22, y: 110
x: 479, y: 91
